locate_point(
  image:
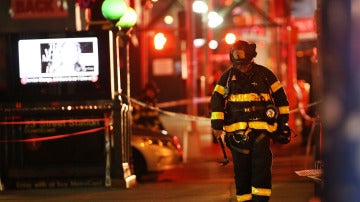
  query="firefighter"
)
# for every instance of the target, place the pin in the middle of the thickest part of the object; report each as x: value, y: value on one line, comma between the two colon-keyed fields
x: 249, y: 104
x: 146, y: 117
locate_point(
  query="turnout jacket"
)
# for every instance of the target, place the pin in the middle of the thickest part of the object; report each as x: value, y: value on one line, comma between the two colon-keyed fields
x: 239, y: 100
x: 145, y: 116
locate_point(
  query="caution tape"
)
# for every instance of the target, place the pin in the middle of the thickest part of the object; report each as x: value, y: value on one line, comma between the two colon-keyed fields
x: 48, y: 121
x: 307, y: 106
x: 172, y: 114
x: 195, y: 101
x: 38, y: 139
x: 168, y: 113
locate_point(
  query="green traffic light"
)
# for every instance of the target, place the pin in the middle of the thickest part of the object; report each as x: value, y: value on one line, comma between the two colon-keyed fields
x: 113, y: 9
x: 128, y: 19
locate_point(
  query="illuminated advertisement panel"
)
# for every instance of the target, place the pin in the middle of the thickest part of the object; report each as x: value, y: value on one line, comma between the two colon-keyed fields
x: 58, y: 60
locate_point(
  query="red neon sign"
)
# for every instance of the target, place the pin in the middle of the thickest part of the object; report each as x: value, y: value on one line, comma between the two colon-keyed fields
x: 30, y: 9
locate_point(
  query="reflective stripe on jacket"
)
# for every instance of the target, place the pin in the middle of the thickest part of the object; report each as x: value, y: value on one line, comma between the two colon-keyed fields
x: 257, y: 88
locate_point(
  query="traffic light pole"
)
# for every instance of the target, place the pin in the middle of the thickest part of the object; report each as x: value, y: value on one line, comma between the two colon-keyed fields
x: 120, y: 153
x: 116, y: 157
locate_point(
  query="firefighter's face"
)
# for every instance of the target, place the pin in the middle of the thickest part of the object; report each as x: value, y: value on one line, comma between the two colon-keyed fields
x: 241, y: 57
x: 239, y: 54
x: 242, y: 53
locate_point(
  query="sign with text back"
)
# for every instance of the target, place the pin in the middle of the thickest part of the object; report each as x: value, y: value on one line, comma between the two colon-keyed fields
x: 31, y: 9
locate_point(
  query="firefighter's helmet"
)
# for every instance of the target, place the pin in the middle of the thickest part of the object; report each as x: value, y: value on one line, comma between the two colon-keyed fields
x: 242, y: 52
x: 151, y: 86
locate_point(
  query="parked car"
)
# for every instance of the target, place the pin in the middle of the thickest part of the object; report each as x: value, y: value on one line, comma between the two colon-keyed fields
x: 154, y: 151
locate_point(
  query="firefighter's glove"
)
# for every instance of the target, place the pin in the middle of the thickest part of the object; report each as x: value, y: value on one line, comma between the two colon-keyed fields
x: 282, y: 134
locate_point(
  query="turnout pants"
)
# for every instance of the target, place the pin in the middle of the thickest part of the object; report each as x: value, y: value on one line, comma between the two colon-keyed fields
x: 252, y: 160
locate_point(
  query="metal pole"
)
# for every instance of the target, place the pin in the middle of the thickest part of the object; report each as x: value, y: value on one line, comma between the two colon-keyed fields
x: 291, y: 61
x: 209, y: 62
x: 145, y: 46
x: 128, y: 94
x: 191, y: 84
x: 116, y: 157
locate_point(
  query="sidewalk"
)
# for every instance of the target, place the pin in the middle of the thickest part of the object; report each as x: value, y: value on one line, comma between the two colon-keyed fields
x: 200, y: 178
x: 196, y: 181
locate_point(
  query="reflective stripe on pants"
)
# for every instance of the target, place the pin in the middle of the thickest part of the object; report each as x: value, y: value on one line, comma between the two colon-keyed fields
x: 253, y: 170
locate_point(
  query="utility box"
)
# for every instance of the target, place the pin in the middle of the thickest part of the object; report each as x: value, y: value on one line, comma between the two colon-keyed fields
x: 57, y: 112
x: 48, y: 147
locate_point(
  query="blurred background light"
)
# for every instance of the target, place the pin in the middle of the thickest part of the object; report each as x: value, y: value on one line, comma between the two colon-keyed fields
x: 230, y: 38
x: 199, y: 7
x: 168, y: 19
x: 199, y: 42
x: 214, y: 19
x: 213, y: 44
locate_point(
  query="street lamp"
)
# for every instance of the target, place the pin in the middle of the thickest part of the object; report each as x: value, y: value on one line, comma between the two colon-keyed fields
x: 122, y: 19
